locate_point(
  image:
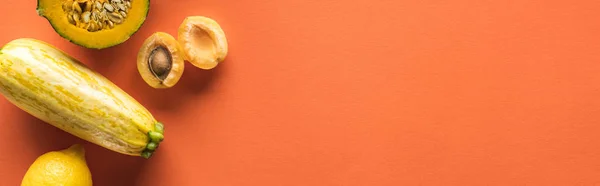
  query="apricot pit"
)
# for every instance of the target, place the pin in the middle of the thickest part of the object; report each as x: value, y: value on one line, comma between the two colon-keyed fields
x: 160, y: 60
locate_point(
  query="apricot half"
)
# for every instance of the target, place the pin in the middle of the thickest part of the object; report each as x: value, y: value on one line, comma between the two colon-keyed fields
x: 160, y: 60
x: 203, y: 41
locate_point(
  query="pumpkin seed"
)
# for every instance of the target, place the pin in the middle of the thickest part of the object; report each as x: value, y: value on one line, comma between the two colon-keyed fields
x: 86, y: 17
x: 95, y: 15
x: 98, y: 5
x: 103, y: 15
x: 109, y: 7
x: 115, y: 17
x: 122, y: 7
x: 76, y: 17
x: 111, y: 24
x: 70, y: 18
x: 88, y: 6
x: 114, y: 5
x: 76, y: 7
x: 91, y: 27
x: 67, y: 6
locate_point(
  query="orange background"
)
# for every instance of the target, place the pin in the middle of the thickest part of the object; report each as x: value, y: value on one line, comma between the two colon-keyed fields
x: 353, y: 93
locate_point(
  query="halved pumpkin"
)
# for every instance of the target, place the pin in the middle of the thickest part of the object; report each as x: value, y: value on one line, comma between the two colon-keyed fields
x: 125, y: 19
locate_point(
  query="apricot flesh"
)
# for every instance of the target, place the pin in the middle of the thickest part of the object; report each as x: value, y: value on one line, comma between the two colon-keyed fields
x: 203, y: 41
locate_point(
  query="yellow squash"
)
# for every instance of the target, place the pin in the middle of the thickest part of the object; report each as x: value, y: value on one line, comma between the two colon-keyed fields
x: 56, y: 88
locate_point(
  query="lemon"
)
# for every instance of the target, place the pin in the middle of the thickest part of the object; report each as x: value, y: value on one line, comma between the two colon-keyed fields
x: 65, y: 167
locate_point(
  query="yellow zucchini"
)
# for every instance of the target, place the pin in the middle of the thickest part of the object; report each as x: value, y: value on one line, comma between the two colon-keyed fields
x: 58, y: 89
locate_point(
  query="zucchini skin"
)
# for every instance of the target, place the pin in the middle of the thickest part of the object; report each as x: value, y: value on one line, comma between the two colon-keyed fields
x: 61, y: 91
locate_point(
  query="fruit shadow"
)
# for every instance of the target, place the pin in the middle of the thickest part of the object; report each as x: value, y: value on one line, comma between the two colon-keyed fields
x: 116, y: 64
x: 41, y: 136
x: 111, y: 61
x: 193, y: 84
x: 119, y: 61
x: 107, y: 167
x: 112, y: 168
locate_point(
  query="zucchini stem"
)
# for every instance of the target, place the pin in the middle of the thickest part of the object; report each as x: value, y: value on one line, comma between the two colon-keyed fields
x: 159, y: 127
x: 151, y: 146
x: 154, y: 139
x: 146, y: 154
x: 155, y: 136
